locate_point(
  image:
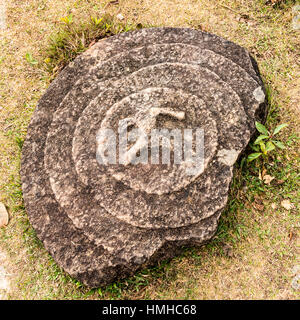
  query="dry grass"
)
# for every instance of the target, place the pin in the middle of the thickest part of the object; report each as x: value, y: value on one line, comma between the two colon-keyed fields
x: 255, y: 249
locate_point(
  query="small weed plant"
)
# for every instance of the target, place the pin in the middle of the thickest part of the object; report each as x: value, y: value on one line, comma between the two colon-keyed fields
x: 265, y: 142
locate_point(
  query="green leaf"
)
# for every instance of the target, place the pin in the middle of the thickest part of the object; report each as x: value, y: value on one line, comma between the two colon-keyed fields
x: 254, y: 156
x: 100, y: 292
x: 261, y: 128
x: 278, y: 144
x: 30, y: 59
x: 259, y: 138
x: 262, y: 147
x: 242, y: 163
x: 255, y: 147
x: 20, y: 142
x: 67, y: 19
x: 269, y: 146
x: 96, y: 21
x: 278, y: 128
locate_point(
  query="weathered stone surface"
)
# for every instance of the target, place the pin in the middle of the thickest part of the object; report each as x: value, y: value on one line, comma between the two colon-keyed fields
x: 3, y: 215
x: 101, y: 223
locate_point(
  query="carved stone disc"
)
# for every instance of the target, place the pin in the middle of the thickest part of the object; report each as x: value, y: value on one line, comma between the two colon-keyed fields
x: 102, y: 221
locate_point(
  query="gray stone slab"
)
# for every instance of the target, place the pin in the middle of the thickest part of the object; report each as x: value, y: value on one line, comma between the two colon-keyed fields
x: 101, y: 223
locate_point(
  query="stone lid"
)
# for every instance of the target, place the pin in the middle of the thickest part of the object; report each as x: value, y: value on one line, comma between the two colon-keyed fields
x: 101, y: 222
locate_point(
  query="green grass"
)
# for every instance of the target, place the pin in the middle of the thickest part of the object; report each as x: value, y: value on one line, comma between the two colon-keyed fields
x: 75, y: 36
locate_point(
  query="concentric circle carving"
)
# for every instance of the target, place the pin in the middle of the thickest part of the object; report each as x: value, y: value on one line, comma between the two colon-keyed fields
x: 103, y: 221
